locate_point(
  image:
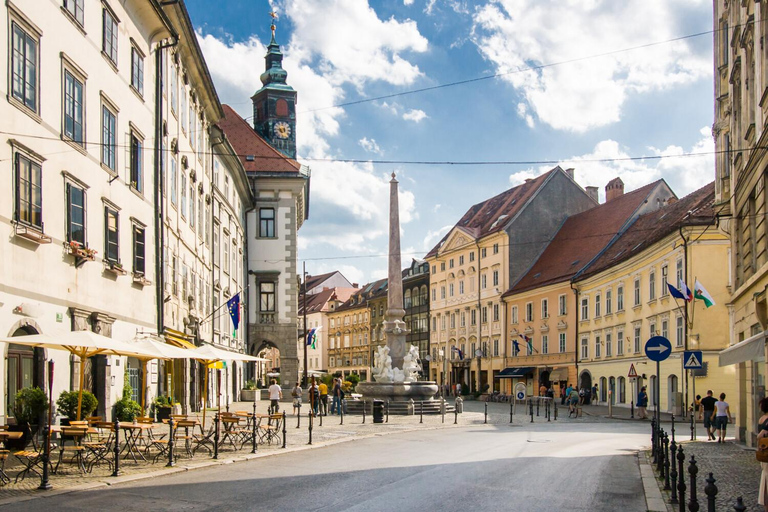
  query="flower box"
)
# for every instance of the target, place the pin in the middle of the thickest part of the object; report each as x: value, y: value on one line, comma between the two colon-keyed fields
x: 115, y: 268
x: 81, y: 252
x: 140, y: 279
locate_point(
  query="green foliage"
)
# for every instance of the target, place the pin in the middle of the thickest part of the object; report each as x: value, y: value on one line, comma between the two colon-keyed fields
x: 67, y: 404
x: 162, y: 401
x: 29, y: 405
x: 327, y: 378
x: 250, y: 384
x: 354, y: 379
x: 127, y: 409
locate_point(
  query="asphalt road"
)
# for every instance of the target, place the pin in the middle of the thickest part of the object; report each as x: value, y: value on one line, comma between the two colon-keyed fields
x: 591, y: 467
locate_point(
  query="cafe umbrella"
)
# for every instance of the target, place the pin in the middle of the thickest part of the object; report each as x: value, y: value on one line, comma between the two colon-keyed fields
x: 156, y: 350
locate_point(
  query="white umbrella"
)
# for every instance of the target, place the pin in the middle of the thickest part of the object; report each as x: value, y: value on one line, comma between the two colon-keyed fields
x: 158, y: 350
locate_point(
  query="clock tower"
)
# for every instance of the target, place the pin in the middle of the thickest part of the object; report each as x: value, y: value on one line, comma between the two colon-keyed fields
x: 274, y: 105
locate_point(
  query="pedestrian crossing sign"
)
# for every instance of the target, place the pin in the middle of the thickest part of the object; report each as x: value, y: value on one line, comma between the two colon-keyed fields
x: 692, y: 360
x: 632, y: 372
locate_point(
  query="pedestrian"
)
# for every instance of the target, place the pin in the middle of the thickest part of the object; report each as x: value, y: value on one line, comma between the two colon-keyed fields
x: 296, y: 394
x: 642, y: 403
x: 458, y: 389
x: 338, y: 395
x: 568, y: 393
x: 708, y: 408
x: 722, y: 416
x: 562, y: 394
x: 323, y: 389
x: 543, y: 390
x: 697, y: 406
x: 581, y: 396
x: 275, y: 395
x: 573, y: 402
x: 594, y: 393
x: 762, y: 431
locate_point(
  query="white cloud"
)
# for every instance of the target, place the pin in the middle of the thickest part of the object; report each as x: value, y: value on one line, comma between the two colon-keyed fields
x: 435, y: 236
x: 408, y: 2
x: 415, y: 115
x: 370, y: 146
x: 580, y: 95
x: 436, y: 208
x: 683, y: 174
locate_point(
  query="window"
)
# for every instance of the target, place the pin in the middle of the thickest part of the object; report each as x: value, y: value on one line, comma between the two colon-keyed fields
x: 73, y: 108
x: 514, y: 314
x: 461, y: 260
x: 75, y: 8
x: 545, y: 344
x: 108, y: 138
x: 664, y: 280
x: 585, y: 348
x: 484, y: 315
x: 679, y: 271
x: 267, y: 222
x: 183, y: 109
x: 620, y: 298
x: 267, y: 296
x: 495, y: 347
x: 665, y: 328
x: 679, y: 331
x: 462, y: 319
x: 24, y: 67
x: 191, y: 205
x: 442, y: 292
x: 471, y: 257
x: 653, y: 328
x: 482, y: 252
x: 183, y: 195
x: 483, y: 281
x: 139, y: 266
x: 174, y: 274
x: 29, y: 189
x: 598, y: 351
x: 174, y: 179
x: 453, y: 320
x: 434, y: 269
x: 637, y: 339
x: 174, y: 85
x: 608, y: 302
x: 75, y: 214
x: 585, y: 308
x: 137, y: 70
x: 434, y: 294
x: 529, y: 346
x: 652, y: 285
x: 562, y: 342
x: 450, y: 263
x: 495, y: 278
x: 442, y: 323
x: 495, y: 248
x: 544, y: 308
x: 562, y: 305
x: 450, y: 290
x: 495, y: 312
x: 461, y: 287
x: 637, y: 291
x: 200, y: 219
x: 111, y: 235
x: 529, y: 312
x: 442, y: 266
x: 620, y: 343
x: 109, y: 36
x: 137, y: 155
x: 608, y: 345
x: 434, y: 323
x: 192, y: 126
x: 225, y: 256
x: 598, y: 311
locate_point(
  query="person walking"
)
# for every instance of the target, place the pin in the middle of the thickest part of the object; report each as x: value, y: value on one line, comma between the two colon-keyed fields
x: 275, y: 395
x: 642, y: 404
x: 296, y: 394
x: 722, y: 416
x: 594, y: 394
x: 762, y: 431
x: 458, y: 389
x: 323, y: 389
x: 708, y: 406
x: 338, y: 395
x: 543, y: 389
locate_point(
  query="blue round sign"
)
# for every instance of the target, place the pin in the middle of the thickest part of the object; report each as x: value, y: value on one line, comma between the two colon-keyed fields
x: 658, y: 348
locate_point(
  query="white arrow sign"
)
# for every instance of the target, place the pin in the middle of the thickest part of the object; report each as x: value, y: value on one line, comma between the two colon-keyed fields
x: 660, y: 349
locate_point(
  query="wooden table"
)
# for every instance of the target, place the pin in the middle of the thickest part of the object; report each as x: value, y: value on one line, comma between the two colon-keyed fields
x: 134, y: 432
x: 4, y: 454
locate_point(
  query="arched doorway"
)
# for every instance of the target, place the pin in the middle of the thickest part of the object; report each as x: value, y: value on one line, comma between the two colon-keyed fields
x: 267, y: 370
x: 612, y: 389
x: 585, y: 381
x: 24, y: 367
x: 672, y: 393
x: 544, y: 378
x: 603, y: 389
x: 622, y: 399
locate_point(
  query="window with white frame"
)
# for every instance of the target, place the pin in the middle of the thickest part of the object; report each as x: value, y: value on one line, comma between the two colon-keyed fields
x: 562, y: 338
x: 584, y: 348
x: 653, y: 328
x: 637, y: 291
x: 679, y: 331
x: 608, y: 344
x: 562, y: 305
x: 496, y: 347
x: 29, y: 191
x: 483, y: 281
x: 665, y: 328
x: 24, y: 70
x: 461, y: 287
x: 608, y: 302
x: 620, y: 298
x: 450, y: 290
x: 442, y: 292
x: 664, y: 280
x: 495, y: 312
x: 529, y: 312
x: 174, y: 180
x: 495, y: 278
x: 174, y: 86
x: 585, y: 308
x: 598, y: 351
x: 462, y: 319
x: 637, y: 339
x: 598, y: 304
x: 513, y: 315
x: 679, y: 270
x: 545, y: 344
x: 544, y: 308
x: 620, y: 343
x: 652, y: 285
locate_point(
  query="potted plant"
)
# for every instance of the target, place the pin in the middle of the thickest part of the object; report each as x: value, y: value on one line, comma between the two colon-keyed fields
x: 163, y: 407
x: 127, y: 409
x: 249, y: 393
x: 67, y: 405
x: 29, y: 406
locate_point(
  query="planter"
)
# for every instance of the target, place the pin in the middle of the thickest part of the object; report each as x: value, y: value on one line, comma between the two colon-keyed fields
x: 249, y: 395
x: 21, y: 443
x: 163, y: 413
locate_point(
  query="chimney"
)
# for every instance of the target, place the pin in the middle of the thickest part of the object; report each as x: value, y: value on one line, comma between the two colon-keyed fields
x: 614, y: 189
x: 355, y: 285
x: 569, y: 172
x: 592, y: 192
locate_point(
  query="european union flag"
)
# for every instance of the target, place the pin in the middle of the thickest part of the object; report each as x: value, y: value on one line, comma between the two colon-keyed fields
x: 233, y: 305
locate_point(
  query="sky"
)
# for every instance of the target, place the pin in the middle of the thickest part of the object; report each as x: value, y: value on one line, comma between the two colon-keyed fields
x: 580, y: 83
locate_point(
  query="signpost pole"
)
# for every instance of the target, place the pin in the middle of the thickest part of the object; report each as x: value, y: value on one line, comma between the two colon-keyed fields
x: 657, y: 392
x: 693, y: 411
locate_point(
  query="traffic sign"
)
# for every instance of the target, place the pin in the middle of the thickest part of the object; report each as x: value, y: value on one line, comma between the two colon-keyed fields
x: 520, y: 391
x: 658, y: 348
x: 692, y: 360
x: 632, y: 372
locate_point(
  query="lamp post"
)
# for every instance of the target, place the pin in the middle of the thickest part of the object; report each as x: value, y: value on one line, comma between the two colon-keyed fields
x: 45, y: 484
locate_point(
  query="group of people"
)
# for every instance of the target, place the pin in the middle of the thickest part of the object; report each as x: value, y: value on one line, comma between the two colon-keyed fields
x: 318, y: 397
x: 716, y: 414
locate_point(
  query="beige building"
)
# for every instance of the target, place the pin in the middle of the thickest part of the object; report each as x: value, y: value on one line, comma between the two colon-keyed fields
x: 624, y: 300
x: 490, y: 248
x: 349, y: 348
x: 741, y: 113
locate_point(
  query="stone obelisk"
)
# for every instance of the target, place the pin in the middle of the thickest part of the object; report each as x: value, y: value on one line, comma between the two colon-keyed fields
x: 394, y: 327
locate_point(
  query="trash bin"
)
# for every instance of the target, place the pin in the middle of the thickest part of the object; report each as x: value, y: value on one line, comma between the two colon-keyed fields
x: 378, y: 411
x: 459, y: 405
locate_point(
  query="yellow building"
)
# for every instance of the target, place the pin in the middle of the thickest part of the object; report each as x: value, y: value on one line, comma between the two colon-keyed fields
x: 491, y: 246
x: 741, y: 114
x: 542, y: 306
x: 624, y: 301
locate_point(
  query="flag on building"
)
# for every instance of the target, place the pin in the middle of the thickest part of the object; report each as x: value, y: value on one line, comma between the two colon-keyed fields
x: 461, y: 353
x: 676, y: 293
x: 310, y: 336
x: 701, y: 293
x: 515, y: 347
x: 686, y: 291
x: 233, y: 305
x: 529, y: 342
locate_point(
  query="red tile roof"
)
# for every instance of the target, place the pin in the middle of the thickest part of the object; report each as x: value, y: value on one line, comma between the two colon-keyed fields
x: 483, y: 218
x: 581, y: 238
x: 695, y: 209
x: 247, y: 143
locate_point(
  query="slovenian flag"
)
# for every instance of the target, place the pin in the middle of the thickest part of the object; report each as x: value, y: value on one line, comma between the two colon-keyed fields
x: 529, y: 341
x: 676, y: 293
x: 686, y: 291
x: 233, y: 305
x: 702, y: 294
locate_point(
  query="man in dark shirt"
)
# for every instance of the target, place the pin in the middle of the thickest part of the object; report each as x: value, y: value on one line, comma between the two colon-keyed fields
x: 708, y: 405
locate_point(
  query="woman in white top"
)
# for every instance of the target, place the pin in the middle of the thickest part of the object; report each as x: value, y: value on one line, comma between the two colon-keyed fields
x: 721, y: 415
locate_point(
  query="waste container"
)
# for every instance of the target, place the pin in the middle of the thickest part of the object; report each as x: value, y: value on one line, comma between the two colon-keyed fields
x: 378, y: 411
x: 459, y: 404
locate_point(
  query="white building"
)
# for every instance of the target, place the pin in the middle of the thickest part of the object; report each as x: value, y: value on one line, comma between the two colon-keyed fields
x: 79, y: 110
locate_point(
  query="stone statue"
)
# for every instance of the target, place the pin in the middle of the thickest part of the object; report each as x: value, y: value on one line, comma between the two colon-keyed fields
x: 382, y: 365
x: 411, y: 364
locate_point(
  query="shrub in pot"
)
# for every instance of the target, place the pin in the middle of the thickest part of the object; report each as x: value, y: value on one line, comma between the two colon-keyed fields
x: 67, y: 404
x: 29, y: 406
x: 163, y: 407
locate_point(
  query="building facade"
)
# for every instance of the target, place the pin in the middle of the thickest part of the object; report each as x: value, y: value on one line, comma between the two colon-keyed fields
x: 349, y: 336
x: 416, y: 305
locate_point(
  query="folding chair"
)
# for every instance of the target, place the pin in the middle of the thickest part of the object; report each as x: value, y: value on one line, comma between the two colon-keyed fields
x: 30, y: 459
x: 76, y: 449
x: 271, y: 431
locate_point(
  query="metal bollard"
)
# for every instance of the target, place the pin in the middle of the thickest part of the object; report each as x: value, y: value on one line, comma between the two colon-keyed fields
x: 216, y: 421
x: 285, y: 432
x: 537, y: 407
x: 549, y: 410
x: 511, y: 411
x: 554, y: 404
x: 681, y: 478
x: 171, y: 443
x: 739, y: 506
x: 530, y: 403
x: 485, y: 414
x: 45, y: 483
x: 116, y: 471
x: 711, y: 491
x: 321, y: 417
x: 660, y: 466
x: 387, y: 411
x: 455, y: 415
x: 341, y: 411
x: 309, y: 415
x: 653, y: 439
x: 254, y: 444
x: 693, y: 429
x: 442, y: 409
x: 421, y: 411
x: 693, y: 502
x: 673, y: 471
x: 363, y: 411
x: 632, y: 409
x: 298, y: 417
x: 666, y: 462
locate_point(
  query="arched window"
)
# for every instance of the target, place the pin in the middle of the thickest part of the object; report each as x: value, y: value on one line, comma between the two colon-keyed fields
x: 612, y: 389
x: 622, y: 398
x: 603, y: 389
x: 407, y: 299
x: 423, y: 295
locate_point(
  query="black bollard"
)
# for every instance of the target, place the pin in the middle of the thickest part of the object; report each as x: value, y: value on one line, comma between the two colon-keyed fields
x: 363, y: 411
x: 681, y: 478
x: 341, y: 411
x: 298, y: 417
x: 442, y: 409
x: 554, y: 404
x: 632, y: 409
x: 511, y: 411
x: 739, y: 506
x: 693, y: 502
x: 653, y: 439
x: 421, y: 411
x: 485, y: 414
x: 45, y: 483
x: 537, y: 407
x: 116, y: 471
x: 530, y: 403
x: 254, y: 444
x: 711, y: 491
x: 455, y: 415
x: 309, y: 416
x: 660, y: 466
x: 665, y: 473
x: 549, y: 410
x: 673, y: 472
x: 285, y: 432
x: 171, y: 462
x: 693, y: 430
x: 216, y: 421
x: 387, y: 411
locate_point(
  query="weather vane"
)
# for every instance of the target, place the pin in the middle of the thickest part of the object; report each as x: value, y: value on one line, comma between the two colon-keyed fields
x: 273, y: 15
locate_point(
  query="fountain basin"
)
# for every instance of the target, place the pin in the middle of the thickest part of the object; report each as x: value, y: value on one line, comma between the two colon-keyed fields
x: 398, y: 391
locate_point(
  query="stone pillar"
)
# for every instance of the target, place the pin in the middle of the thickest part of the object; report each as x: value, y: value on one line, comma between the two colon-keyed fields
x: 394, y: 326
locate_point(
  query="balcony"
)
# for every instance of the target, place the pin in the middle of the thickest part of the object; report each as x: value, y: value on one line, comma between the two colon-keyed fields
x: 267, y: 318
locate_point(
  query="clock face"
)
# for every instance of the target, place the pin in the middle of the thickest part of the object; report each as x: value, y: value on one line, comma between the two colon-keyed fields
x: 282, y: 130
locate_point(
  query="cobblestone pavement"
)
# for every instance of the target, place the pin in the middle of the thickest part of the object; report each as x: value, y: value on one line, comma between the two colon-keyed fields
x: 332, y: 431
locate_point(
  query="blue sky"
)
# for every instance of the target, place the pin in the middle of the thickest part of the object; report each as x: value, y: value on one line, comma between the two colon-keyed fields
x: 619, y: 96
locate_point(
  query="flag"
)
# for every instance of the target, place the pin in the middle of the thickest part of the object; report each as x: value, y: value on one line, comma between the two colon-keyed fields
x: 233, y: 305
x: 461, y: 353
x: 310, y: 335
x: 676, y: 293
x: 515, y: 347
x: 686, y: 291
x: 529, y: 341
x: 702, y: 294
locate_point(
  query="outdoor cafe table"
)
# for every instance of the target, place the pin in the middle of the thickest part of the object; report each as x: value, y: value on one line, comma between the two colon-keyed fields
x: 134, y: 433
